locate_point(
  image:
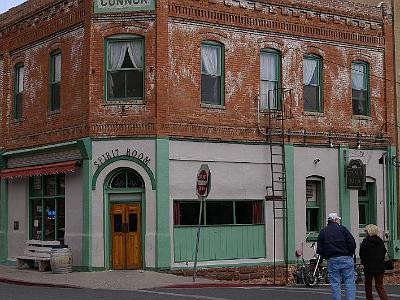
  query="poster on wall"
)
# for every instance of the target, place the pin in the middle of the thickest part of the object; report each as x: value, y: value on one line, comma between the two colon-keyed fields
x: 115, y: 6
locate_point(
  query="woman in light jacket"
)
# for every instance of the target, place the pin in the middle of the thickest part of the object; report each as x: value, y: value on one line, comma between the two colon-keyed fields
x: 372, y: 254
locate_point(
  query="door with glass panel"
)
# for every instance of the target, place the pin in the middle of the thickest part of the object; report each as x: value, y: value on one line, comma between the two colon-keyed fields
x: 126, y: 239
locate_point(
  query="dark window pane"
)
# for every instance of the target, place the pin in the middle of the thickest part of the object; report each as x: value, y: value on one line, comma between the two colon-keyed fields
x: 36, y: 214
x: 362, y: 193
x: 50, y: 220
x: 362, y: 211
x: 50, y: 185
x: 311, y: 98
x: 119, y: 181
x: 127, y: 64
x: 134, y: 180
x: 55, y: 96
x: 187, y: 213
x: 60, y: 220
x: 211, y: 89
x: 117, y: 223
x: 18, y: 105
x: 132, y: 222
x: 61, y: 184
x: 312, y: 219
x: 36, y: 186
x: 359, y: 107
x: 134, y: 86
x: 116, y: 84
x: 249, y: 212
x: 219, y: 213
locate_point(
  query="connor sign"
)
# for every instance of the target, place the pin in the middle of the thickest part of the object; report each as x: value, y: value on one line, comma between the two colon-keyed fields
x: 110, y: 6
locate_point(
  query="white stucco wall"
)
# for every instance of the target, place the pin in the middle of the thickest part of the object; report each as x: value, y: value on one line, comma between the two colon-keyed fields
x: 17, y: 211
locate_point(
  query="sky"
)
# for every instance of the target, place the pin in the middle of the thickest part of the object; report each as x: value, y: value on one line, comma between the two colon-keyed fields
x: 7, y: 4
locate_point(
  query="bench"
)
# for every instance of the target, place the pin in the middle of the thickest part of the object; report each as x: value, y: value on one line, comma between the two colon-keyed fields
x: 37, y: 252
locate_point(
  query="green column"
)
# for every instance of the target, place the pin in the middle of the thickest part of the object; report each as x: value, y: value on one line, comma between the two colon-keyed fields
x: 85, y: 147
x: 3, y: 221
x: 344, y: 193
x: 290, y: 220
x: 163, y: 252
x: 391, y: 193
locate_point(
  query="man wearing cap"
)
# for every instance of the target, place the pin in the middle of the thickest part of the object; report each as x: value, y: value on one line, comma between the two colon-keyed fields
x: 336, y: 244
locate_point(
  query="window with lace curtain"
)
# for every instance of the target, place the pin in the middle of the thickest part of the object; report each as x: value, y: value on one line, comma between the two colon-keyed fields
x: 124, y: 69
x: 270, y: 70
x: 360, y: 88
x: 212, y: 77
x: 312, y: 83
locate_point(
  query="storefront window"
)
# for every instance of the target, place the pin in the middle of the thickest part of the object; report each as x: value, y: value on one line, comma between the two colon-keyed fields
x: 47, y: 207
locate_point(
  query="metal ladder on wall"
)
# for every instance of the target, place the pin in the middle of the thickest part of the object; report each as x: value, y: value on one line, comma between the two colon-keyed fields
x: 277, y: 188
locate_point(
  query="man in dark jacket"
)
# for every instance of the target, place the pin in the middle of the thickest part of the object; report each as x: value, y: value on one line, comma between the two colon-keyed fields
x: 336, y: 244
x: 372, y: 254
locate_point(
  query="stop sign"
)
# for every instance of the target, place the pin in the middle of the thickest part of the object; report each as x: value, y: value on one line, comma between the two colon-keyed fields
x: 203, y: 184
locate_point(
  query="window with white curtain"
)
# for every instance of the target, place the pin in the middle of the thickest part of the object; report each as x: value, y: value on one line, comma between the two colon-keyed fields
x: 125, y: 64
x: 211, y: 73
x: 270, y: 94
x: 19, y: 90
x: 55, y: 80
x: 360, y: 88
x: 312, y: 76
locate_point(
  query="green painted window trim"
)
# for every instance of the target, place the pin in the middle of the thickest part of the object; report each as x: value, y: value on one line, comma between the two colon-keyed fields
x: 52, y: 80
x: 124, y: 157
x: 17, y: 69
x: 367, y: 85
x: 123, y: 38
x: 233, y: 212
x: 313, y: 205
x: 221, y: 58
x: 370, y: 202
x: 43, y: 198
x: 320, y: 102
x: 278, y: 70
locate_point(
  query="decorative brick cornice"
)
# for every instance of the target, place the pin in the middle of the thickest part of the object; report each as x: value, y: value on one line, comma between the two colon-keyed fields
x: 122, y: 128
x: 38, y: 26
x: 280, y: 19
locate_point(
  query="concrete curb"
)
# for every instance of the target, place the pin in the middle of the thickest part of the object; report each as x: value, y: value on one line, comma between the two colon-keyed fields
x: 221, y: 284
x: 39, y: 284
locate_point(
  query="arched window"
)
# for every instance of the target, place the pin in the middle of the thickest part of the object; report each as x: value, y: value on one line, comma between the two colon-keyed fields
x: 360, y: 88
x: 126, y: 178
x: 312, y: 83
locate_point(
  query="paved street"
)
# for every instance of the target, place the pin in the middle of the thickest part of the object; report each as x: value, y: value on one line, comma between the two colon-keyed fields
x: 24, y: 292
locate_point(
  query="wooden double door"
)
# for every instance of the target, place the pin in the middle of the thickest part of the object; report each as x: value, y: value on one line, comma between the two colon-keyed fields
x: 126, y: 236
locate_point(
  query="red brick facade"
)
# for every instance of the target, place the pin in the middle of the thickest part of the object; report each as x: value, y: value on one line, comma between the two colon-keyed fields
x: 338, y: 31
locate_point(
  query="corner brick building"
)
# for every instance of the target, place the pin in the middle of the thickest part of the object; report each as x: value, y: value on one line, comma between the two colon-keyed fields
x: 108, y: 109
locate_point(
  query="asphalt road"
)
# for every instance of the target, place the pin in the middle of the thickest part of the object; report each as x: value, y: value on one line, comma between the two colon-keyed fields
x: 22, y: 292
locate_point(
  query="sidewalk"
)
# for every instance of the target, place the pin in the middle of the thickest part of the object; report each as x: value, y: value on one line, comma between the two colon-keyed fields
x: 121, y: 280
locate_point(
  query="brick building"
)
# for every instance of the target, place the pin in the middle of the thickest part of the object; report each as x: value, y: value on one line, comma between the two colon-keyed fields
x: 108, y: 109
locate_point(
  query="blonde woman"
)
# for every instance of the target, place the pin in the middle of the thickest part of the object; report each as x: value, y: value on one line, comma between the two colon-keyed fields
x: 372, y: 254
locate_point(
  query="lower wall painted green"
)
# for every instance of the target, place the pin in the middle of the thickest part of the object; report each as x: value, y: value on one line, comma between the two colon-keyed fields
x: 3, y: 221
x: 291, y: 216
x: 163, y: 246
x: 87, y: 213
x: 220, y: 242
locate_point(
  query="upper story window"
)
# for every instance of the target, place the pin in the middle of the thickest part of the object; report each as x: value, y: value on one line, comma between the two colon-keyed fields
x: 360, y: 88
x: 18, y: 90
x: 270, y: 69
x: 124, y: 78
x: 212, y: 73
x: 55, y: 80
x: 312, y: 83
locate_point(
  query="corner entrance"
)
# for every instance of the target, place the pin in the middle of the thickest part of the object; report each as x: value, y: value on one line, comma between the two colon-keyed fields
x: 126, y: 239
